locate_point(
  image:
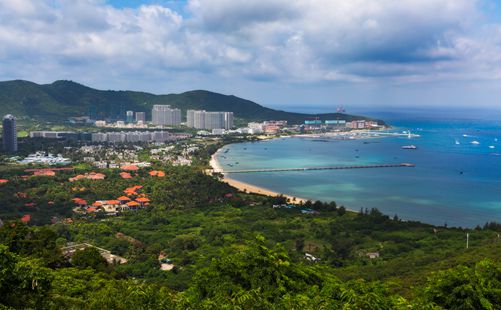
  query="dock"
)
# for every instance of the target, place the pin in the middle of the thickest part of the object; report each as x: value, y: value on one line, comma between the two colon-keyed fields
x: 405, y: 165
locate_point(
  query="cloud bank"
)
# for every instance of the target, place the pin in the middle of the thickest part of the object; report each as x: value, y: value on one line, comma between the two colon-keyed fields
x: 303, y: 43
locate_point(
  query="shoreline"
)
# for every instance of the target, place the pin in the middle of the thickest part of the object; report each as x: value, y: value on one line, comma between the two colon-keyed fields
x: 245, y: 187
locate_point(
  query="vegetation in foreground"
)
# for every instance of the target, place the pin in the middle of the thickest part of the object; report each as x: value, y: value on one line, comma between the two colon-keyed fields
x: 231, y: 250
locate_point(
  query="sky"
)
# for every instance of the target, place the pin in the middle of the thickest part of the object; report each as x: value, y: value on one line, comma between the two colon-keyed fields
x: 296, y: 55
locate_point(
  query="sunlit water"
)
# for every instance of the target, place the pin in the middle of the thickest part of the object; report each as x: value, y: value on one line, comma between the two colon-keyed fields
x: 454, y: 181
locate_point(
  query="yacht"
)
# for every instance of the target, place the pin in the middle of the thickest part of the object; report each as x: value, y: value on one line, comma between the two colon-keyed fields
x: 409, y: 147
x: 475, y: 142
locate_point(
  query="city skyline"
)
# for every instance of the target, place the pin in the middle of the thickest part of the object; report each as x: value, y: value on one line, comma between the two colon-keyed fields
x: 278, y: 53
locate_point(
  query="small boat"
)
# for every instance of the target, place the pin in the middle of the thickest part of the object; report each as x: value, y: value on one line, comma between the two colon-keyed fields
x: 409, y: 147
x: 492, y: 147
x: 457, y: 142
x: 475, y: 142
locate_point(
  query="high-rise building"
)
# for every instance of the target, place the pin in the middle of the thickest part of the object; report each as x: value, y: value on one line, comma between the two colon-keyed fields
x: 190, y: 118
x: 9, y: 133
x: 165, y: 115
x: 129, y: 117
x: 141, y: 117
x: 201, y: 119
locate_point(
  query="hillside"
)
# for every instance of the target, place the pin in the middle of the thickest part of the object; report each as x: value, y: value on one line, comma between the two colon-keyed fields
x: 62, y: 99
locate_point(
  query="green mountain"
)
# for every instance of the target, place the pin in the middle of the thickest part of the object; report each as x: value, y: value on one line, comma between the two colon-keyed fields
x: 63, y: 99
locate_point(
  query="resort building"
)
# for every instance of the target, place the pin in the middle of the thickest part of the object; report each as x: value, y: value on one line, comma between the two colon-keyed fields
x: 165, y: 115
x: 201, y: 119
x: 141, y: 117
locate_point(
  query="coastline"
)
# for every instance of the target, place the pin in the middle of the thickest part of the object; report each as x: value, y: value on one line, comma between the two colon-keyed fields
x: 245, y: 187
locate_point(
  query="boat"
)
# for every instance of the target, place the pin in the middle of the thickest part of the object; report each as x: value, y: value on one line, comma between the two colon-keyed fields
x: 492, y: 147
x: 457, y: 142
x: 409, y: 147
x: 475, y: 142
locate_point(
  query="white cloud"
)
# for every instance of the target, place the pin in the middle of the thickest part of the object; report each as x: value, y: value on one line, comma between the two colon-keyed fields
x: 322, y: 41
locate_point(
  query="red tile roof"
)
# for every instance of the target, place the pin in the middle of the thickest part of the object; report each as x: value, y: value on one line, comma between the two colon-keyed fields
x: 157, y: 173
x: 47, y: 173
x: 125, y: 175
x: 130, y: 168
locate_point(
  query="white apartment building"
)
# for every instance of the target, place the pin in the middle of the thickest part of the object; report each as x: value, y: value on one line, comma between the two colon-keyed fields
x: 201, y: 119
x: 165, y: 115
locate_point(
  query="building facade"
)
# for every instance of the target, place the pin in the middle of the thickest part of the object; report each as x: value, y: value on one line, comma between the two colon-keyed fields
x: 9, y: 133
x: 141, y: 117
x: 201, y: 119
x: 165, y: 115
x: 129, y: 117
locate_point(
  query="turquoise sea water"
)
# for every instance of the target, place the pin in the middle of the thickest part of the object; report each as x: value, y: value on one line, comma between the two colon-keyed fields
x: 457, y: 184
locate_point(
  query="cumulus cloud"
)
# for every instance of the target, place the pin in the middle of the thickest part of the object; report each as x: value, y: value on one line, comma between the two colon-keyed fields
x: 299, y: 41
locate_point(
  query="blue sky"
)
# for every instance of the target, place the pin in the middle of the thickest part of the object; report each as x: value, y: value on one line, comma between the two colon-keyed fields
x: 280, y: 53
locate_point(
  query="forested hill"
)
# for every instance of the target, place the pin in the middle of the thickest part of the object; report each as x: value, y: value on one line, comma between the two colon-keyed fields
x: 62, y: 99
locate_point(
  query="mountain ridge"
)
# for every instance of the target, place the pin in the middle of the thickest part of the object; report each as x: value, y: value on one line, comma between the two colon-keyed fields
x: 65, y: 98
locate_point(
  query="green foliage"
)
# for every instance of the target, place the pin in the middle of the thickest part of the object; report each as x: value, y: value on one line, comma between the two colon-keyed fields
x: 23, y: 282
x: 39, y: 242
x: 463, y: 287
x: 89, y: 258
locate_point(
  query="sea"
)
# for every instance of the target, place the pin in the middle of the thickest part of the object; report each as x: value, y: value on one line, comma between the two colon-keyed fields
x: 456, y: 180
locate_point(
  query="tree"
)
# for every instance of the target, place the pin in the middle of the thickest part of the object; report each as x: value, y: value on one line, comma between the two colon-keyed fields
x: 23, y: 282
x: 462, y: 287
x: 89, y: 257
x: 256, y: 277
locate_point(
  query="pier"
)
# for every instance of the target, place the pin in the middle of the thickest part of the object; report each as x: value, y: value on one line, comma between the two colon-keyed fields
x: 321, y: 168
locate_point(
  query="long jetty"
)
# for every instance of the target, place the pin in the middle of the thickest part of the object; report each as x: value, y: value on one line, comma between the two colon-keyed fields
x: 321, y: 168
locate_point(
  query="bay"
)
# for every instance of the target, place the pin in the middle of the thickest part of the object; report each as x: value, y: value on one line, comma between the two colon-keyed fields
x: 454, y: 181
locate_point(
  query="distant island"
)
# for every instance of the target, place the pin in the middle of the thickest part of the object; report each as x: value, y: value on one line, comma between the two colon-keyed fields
x: 63, y: 99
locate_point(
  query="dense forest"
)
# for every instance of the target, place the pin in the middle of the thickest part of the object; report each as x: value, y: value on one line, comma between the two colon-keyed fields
x: 228, y: 249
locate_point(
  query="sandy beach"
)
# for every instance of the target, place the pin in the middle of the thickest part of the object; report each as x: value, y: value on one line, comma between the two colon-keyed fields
x: 248, y: 187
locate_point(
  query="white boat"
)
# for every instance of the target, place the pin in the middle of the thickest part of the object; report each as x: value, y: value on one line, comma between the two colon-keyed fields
x: 492, y: 147
x: 457, y: 142
x: 475, y: 142
x: 409, y: 147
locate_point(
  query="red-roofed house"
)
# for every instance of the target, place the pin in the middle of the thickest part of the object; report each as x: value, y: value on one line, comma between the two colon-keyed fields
x: 130, y: 168
x: 123, y: 199
x: 97, y: 204
x: 157, y: 173
x: 125, y: 175
x: 133, y: 205
x: 46, y: 173
x: 26, y: 218
x: 142, y: 200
